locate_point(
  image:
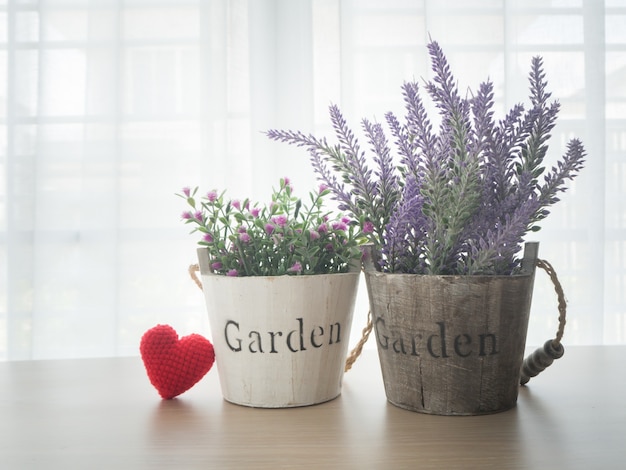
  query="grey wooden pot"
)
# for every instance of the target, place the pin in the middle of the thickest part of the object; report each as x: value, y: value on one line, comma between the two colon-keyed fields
x: 451, y: 345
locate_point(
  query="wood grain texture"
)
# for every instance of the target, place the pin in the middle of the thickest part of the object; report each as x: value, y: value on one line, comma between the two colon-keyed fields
x: 280, y: 341
x: 450, y: 344
x: 103, y: 413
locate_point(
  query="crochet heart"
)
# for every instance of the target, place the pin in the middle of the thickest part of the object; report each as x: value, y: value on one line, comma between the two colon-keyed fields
x: 175, y: 365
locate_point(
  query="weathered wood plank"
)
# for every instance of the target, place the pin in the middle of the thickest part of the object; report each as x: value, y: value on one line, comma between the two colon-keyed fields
x: 450, y: 345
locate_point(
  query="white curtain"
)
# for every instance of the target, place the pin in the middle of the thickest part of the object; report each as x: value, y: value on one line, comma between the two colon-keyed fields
x: 109, y: 107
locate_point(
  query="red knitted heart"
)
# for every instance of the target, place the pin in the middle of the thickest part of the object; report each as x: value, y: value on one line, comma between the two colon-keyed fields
x: 175, y: 365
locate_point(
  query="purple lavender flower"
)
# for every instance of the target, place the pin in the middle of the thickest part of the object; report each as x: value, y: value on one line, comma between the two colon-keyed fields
x: 464, y: 195
x: 407, y: 233
x: 366, y: 194
x: 387, y: 180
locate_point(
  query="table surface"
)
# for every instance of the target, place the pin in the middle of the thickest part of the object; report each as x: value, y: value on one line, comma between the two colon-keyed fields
x: 103, y: 413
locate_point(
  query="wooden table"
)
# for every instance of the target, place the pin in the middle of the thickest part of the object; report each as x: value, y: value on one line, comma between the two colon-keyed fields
x: 103, y: 413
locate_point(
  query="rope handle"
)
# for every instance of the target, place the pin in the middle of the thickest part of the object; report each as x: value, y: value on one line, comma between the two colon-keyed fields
x: 552, y: 349
x: 193, y: 269
x: 356, y: 352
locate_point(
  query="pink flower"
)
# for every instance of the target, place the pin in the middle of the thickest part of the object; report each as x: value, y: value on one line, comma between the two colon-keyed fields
x: 212, y: 196
x: 232, y: 273
x: 314, y: 235
x: 269, y: 228
x: 280, y: 220
x: 368, y: 227
x: 208, y: 238
x: 198, y: 216
x: 187, y: 191
x: 236, y: 204
x: 216, y: 265
x: 296, y: 268
x: 323, y: 228
x: 255, y: 212
x: 187, y: 215
x: 345, y: 220
x: 286, y: 184
x: 244, y: 237
x: 323, y: 188
x: 339, y: 226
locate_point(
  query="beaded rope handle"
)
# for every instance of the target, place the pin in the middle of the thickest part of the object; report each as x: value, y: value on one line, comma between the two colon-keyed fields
x: 552, y: 349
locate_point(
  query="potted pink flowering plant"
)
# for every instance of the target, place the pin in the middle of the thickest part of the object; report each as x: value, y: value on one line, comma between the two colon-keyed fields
x: 280, y: 282
x: 285, y: 237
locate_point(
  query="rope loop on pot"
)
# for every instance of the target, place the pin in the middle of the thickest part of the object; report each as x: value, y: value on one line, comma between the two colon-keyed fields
x: 193, y: 269
x: 547, y: 267
x: 552, y: 349
x: 356, y: 352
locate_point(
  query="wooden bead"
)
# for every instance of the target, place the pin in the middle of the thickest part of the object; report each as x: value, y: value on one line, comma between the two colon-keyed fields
x: 540, y: 359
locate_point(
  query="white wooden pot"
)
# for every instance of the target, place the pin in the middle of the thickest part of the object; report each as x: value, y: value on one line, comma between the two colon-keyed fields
x: 280, y: 341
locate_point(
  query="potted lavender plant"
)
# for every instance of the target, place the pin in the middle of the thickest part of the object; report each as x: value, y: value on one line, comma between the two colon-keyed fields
x: 446, y: 216
x: 280, y: 282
